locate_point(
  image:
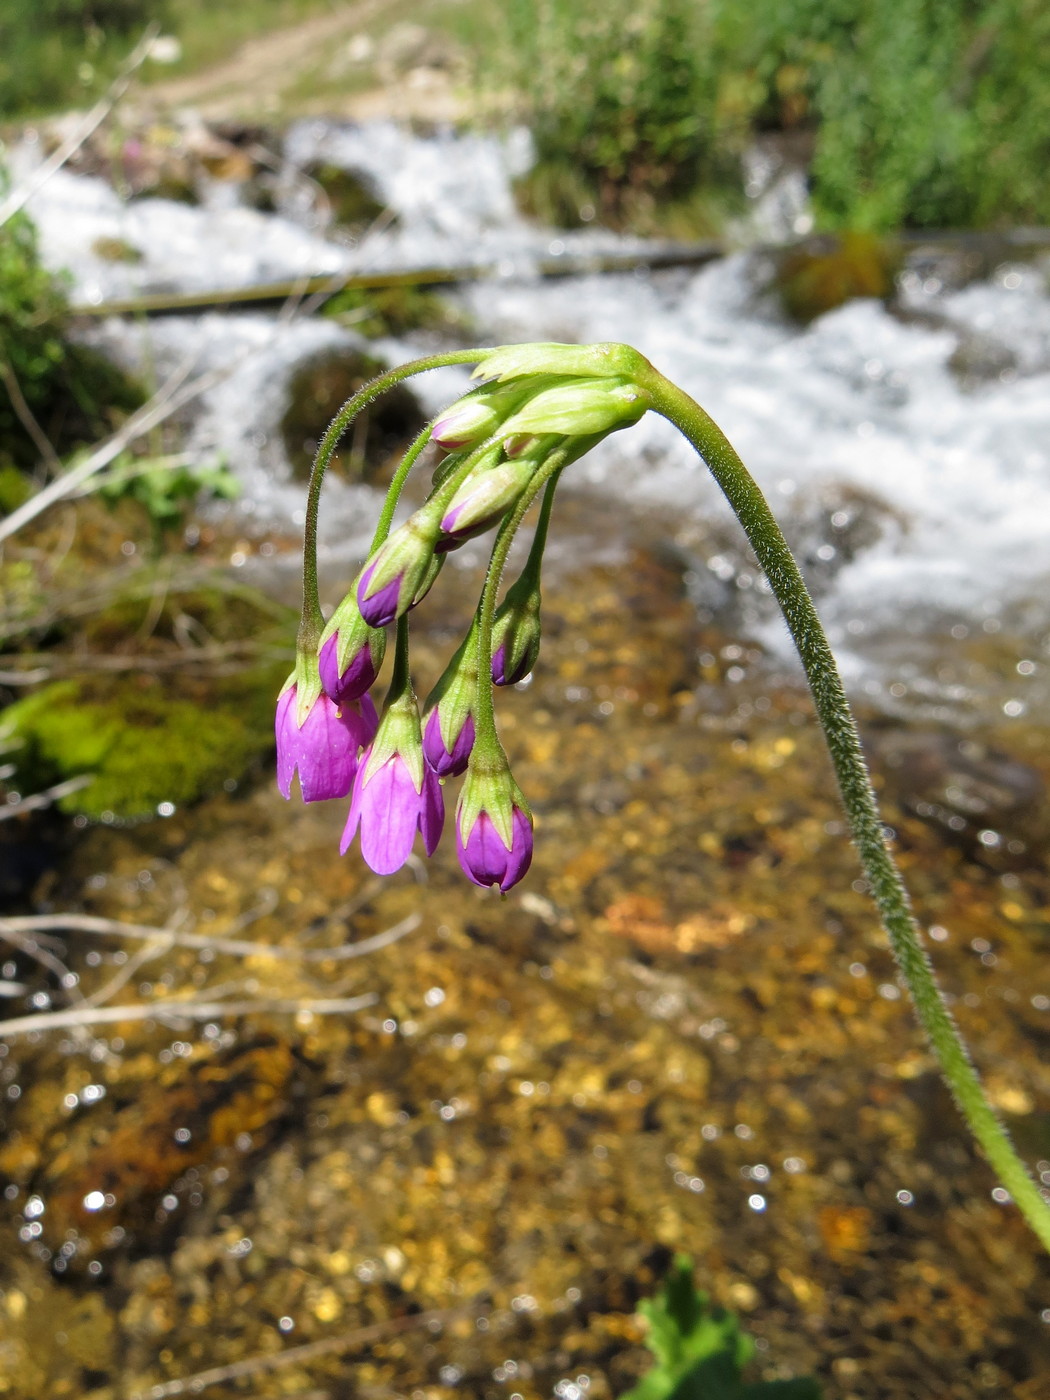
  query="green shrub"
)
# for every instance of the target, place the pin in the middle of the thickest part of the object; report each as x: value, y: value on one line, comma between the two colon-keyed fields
x: 619, y: 98
x: 69, y: 389
x: 923, y: 114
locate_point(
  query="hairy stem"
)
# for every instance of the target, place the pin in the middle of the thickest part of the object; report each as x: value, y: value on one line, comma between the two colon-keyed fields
x: 560, y: 457
x: 843, y: 742
x: 312, y: 618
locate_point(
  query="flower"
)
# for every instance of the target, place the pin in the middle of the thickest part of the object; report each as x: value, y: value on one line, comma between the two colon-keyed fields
x: 493, y: 827
x: 351, y: 652
x: 395, y: 793
x: 393, y: 578
x: 323, y: 744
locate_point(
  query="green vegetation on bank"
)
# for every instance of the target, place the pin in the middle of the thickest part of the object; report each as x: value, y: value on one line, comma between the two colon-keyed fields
x: 911, y: 114
x: 50, y: 388
x: 916, y: 114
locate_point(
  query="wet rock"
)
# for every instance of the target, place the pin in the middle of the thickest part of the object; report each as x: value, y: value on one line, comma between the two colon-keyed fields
x: 990, y: 804
x: 348, y: 197
x: 379, y: 435
x: 831, y: 269
x: 125, y: 1185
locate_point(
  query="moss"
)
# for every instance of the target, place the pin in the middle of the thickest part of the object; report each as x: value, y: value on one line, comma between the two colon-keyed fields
x: 141, y: 746
x: 829, y: 271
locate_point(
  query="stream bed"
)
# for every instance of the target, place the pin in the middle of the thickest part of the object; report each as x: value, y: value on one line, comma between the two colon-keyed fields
x: 683, y: 1031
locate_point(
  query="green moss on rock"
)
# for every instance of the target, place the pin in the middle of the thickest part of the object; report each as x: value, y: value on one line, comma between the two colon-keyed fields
x: 142, y: 746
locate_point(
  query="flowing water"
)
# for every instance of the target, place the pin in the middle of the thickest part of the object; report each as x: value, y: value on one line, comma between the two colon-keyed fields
x: 683, y: 1030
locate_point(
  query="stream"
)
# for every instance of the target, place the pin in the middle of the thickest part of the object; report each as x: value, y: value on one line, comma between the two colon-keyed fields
x: 684, y: 1030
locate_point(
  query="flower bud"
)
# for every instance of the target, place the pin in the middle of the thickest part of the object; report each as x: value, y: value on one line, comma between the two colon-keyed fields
x: 475, y: 417
x: 516, y: 633
x: 448, y: 716
x: 392, y: 579
x: 579, y: 408
x: 351, y: 652
x: 493, y: 829
x: 485, y: 497
x: 605, y: 360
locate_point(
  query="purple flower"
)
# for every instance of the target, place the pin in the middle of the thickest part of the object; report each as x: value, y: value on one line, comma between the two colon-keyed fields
x: 446, y: 762
x: 356, y: 676
x: 395, y: 793
x: 389, y: 809
x: 324, y: 746
x: 487, y: 859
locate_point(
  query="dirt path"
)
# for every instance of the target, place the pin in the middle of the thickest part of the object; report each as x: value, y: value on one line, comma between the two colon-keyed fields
x: 330, y: 63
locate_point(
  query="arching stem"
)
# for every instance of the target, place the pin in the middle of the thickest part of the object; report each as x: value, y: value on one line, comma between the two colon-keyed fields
x: 312, y: 623
x: 843, y: 742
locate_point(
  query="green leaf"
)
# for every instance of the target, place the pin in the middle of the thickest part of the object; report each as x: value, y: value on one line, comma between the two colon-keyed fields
x: 700, y: 1350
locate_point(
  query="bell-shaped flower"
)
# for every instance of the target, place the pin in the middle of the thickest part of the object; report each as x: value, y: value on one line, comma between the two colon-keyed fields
x: 493, y: 825
x: 351, y: 652
x: 319, y: 738
x: 448, y: 716
x: 516, y: 632
x: 395, y: 793
x: 392, y: 579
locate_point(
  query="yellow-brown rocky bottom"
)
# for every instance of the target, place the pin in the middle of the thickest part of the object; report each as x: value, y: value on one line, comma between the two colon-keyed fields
x: 687, y: 1006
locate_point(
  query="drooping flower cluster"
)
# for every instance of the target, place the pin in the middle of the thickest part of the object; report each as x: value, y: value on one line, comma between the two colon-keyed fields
x: 541, y: 407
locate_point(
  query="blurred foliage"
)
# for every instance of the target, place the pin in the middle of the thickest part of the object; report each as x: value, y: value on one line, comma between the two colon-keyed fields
x: 70, y: 390
x: 700, y: 1350
x: 53, y: 52
x: 381, y: 311
x: 167, y: 489
x: 923, y: 114
x: 919, y: 114
x: 62, y: 53
x: 620, y: 100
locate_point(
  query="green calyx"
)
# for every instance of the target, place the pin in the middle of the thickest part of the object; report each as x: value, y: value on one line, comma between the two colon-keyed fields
x: 307, y: 681
x: 597, y: 361
x: 399, y: 733
x: 490, y: 787
x: 580, y: 407
x: 516, y: 626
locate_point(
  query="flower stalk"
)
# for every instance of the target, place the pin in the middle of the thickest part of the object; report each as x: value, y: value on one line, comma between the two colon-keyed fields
x: 858, y: 797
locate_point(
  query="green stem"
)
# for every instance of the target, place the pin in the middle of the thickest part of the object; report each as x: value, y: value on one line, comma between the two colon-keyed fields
x: 400, y: 677
x: 312, y: 623
x: 485, y: 716
x: 843, y: 742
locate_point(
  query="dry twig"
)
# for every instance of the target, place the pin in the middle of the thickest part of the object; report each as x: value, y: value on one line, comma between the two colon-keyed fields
x: 179, y: 1012
x: 299, y: 1356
